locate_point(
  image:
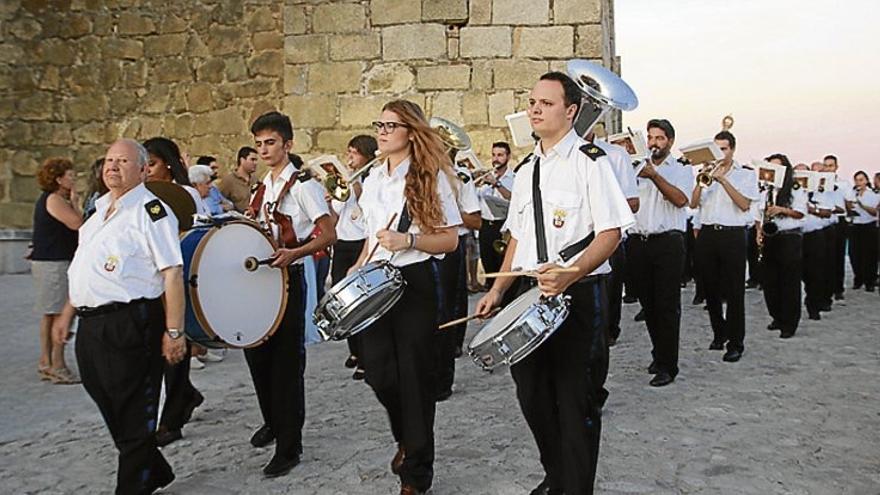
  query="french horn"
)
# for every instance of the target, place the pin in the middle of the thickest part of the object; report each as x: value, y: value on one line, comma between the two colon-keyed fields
x: 451, y: 134
x: 603, y: 91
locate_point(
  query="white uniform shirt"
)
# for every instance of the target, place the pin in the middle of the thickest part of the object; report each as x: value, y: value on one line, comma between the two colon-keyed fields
x: 486, y: 190
x: 657, y: 214
x: 120, y: 259
x: 838, y: 195
x: 869, y: 198
x: 304, y: 203
x: 350, y: 226
x: 201, y: 206
x: 798, y: 203
x: 696, y: 219
x: 466, y: 196
x: 822, y: 201
x: 383, y: 197
x: 716, y: 206
x: 621, y: 164
x: 579, y: 195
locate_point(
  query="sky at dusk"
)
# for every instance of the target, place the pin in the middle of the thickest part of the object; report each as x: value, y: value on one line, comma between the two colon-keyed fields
x: 799, y: 77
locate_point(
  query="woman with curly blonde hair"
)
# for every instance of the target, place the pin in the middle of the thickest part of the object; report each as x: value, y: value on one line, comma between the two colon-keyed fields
x: 410, y: 185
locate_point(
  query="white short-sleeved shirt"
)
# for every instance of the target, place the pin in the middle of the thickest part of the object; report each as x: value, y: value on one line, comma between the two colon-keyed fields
x: 696, y: 219
x: 837, y: 198
x: 869, y: 198
x: 201, y: 206
x: 822, y: 201
x: 657, y: 214
x: 304, y: 203
x: 383, y: 197
x: 350, y: 226
x: 621, y: 164
x: 466, y: 196
x: 798, y: 203
x: 579, y: 195
x: 120, y: 259
x: 486, y: 190
x: 716, y: 206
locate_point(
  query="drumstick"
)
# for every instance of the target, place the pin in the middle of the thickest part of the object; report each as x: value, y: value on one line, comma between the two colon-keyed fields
x: 373, y: 251
x: 532, y: 273
x: 466, y: 318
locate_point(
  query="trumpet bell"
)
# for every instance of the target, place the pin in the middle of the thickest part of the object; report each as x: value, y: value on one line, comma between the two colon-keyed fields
x: 451, y: 134
x: 337, y: 187
x: 603, y: 90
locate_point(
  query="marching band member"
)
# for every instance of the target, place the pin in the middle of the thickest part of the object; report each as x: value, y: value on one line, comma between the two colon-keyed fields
x: 567, y: 208
x: 292, y: 205
x: 497, y: 184
x: 657, y: 244
x: 351, y: 233
x: 725, y: 210
x: 783, y: 251
x: 128, y: 257
x: 840, y: 228
x: 863, y: 239
x: 398, y: 349
x: 815, y: 254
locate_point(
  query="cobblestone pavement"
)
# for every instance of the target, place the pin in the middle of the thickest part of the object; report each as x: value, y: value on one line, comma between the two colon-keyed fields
x: 798, y: 416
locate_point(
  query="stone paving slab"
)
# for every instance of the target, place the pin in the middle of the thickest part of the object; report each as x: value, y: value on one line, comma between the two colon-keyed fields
x: 798, y: 416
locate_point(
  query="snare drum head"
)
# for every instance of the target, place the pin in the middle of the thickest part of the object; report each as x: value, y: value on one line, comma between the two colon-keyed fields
x: 239, y: 306
x: 506, y: 317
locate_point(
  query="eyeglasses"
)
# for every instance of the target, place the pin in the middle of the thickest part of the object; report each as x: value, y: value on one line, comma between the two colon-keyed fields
x: 387, y: 127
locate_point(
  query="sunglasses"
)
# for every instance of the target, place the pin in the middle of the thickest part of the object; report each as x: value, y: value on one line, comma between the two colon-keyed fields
x: 387, y: 127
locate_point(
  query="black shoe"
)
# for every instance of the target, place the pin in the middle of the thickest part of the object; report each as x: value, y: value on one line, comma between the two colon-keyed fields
x: 458, y: 352
x: 751, y: 284
x: 443, y: 395
x: 165, y: 436
x: 262, y: 437
x: 612, y: 341
x: 774, y: 325
x: 732, y: 355
x: 716, y: 346
x: 159, y: 480
x: 869, y: 288
x: 857, y: 286
x: 838, y: 296
x: 698, y: 299
x: 661, y: 379
x: 196, y: 401
x: 351, y: 362
x: 814, y: 315
x: 640, y: 316
x: 279, y: 466
x: 786, y: 334
x: 359, y: 374
x: 653, y: 368
x: 628, y: 299
x: 825, y: 307
x: 544, y: 489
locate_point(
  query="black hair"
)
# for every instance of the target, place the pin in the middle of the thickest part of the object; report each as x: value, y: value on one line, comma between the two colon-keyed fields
x: 664, y: 125
x: 503, y: 145
x: 365, y: 145
x: 830, y: 157
x: 862, y: 172
x: 295, y: 159
x: 168, y: 151
x: 244, y: 152
x: 726, y: 136
x: 274, y: 121
x: 783, y: 195
x: 205, y: 160
x: 572, y: 93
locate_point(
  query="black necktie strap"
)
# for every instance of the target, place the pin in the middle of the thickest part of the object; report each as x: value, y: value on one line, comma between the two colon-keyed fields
x: 405, y: 220
x: 569, y: 252
x: 538, y: 210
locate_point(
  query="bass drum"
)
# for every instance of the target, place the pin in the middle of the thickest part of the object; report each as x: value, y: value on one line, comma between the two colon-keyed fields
x: 228, y: 305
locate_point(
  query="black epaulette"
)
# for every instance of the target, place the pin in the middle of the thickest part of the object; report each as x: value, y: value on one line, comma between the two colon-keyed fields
x: 523, y: 162
x: 747, y: 167
x: 592, y: 151
x: 156, y: 210
x: 255, y: 186
x: 305, y: 175
x: 465, y: 178
x: 683, y: 160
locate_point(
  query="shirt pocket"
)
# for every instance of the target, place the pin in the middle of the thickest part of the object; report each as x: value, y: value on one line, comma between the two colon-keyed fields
x: 562, y: 214
x: 126, y: 255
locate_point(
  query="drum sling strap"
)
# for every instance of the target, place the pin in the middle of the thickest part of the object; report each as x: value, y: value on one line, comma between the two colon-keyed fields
x: 287, y: 236
x: 541, y: 237
x: 405, y: 220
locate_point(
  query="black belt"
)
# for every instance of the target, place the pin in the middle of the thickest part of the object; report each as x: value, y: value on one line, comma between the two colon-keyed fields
x: 104, y: 309
x: 715, y: 226
x: 493, y: 222
x: 646, y: 237
x: 794, y: 231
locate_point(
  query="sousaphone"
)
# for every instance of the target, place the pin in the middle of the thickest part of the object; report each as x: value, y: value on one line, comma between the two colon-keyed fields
x: 603, y: 91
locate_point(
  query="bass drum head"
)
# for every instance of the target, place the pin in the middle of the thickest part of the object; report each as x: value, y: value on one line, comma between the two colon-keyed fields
x: 240, y: 307
x: 503, y: 320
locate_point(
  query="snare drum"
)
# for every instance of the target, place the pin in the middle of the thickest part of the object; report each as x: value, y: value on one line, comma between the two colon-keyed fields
x: 518, y: 329
x: 358, y: 300
x: 228, y: 305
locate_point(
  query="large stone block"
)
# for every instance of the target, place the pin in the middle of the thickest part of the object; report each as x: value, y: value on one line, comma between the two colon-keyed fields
x: 482, y: 139
x: 294, y: 19
x: 24, y: 163
x: 311, y: 110
x: 304, y: 49
x: 199, y: 97
x: 224, y: 40
x: 335, y: 77
x: 520, y: 11
x: 543, y: 42
x: 260, y: 19
x: 355, y: 46
x: 389, y: 78
x: 474, y: 109
x: 25, y: 28
x: 481, y: 74
x: 90, y: 133
x: 55, y: 52
x: 577, y: 11
x: 226, y: 121
x: 384, y: 12
x: 480, y: 12
x: 10, y: 53
x: 268, y: 40
x: 332, y: 141
x: 339, y: 17
x: 171, y: 70
x: 155, y: 100
x: 134, y: 74
x: 590, y: 41
x: 268, y: 63
x: 17, y: 215
x: 211, y: 70
x: 414, y: 41
x: 500, y: 104
x: 447, y: 11
x: 37, y: 106
x: 517, y: 73
x: 360, y: 111
x: 17, y: 132
x: 295, y: 79
x: 164, y: 45
x: 24, y: 189
x: 86, y: 108
x: 447, y: 104
x: 196, y: 47
x: 486, y: 42
x: 134, y: 22
x: 172, y: 23
x: 444, y: 77
x: 75, y: 26
x: 236, y: 69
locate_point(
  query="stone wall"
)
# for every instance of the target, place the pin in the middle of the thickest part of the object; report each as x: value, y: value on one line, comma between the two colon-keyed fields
x: 76, y: 74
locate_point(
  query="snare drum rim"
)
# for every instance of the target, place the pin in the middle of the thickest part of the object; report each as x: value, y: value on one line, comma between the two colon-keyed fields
x: 194, y: 294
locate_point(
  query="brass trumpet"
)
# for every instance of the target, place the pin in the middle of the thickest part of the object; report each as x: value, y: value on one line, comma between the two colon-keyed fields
x: 705, y: 177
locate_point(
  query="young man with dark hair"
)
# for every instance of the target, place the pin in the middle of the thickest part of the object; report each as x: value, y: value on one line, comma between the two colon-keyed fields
x: 236, y: 185
x: 295, y: 207
x: 497, y: 185
x: 838, y: 232
x: 725, y: 211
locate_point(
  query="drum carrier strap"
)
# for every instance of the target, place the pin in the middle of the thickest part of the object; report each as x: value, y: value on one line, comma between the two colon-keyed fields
x: 405, y: 220
x: 287, y: 235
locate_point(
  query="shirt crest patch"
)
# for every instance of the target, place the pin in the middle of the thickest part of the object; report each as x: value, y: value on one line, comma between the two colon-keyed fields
x: 110, y: 264
x: 155, y: 210
x: 558, y: 218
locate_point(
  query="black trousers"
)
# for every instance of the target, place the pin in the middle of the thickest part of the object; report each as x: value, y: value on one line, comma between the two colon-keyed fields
x: 560, y: 388
x: 120, y: 361
x: 618, y: 261
x: 830, y: 234
x: 630, y: 287
x: 815, y: 272
x: 722, y: 259
x: 490, y: 231
x: 179, y: 392
x: 863, y: 254
x: 399, y: 357
x: 452, y: 304
x: 838, y: 261
x: 658, y: 260
x: 782, y: 279
x: 345, y: 254
x: 687, y: 272
x: 754, y: 263
x: 277, y: 367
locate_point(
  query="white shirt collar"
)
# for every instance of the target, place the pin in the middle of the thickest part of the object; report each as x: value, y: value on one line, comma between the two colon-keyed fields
x: 562, y: 149
x: 127, y: 199
x: 399, y: 172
